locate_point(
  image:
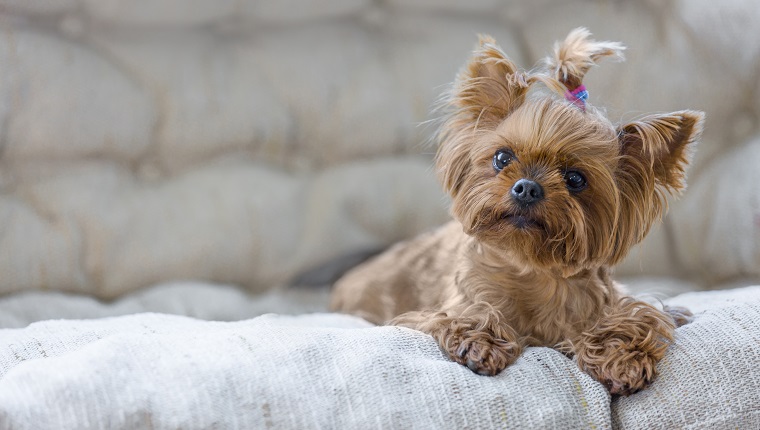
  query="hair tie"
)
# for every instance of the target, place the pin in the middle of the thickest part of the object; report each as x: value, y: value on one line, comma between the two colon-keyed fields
x: 578, y: 97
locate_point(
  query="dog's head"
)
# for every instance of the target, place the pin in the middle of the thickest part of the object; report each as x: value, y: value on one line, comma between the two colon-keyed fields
x: 553, y: 179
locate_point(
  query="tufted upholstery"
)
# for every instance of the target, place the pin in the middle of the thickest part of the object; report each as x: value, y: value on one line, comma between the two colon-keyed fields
x: 245, y: 141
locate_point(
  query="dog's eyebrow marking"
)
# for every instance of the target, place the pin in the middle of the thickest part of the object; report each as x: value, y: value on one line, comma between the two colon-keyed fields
x: 507, y: 143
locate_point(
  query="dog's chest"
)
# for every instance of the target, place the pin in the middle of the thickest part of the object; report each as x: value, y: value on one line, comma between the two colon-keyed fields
x: 550, y: 311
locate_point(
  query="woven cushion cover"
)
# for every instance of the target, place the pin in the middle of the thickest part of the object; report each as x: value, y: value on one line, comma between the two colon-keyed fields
x: 334, y: 371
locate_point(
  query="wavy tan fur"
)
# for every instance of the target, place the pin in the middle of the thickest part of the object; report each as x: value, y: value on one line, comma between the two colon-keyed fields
x: 503, y: 275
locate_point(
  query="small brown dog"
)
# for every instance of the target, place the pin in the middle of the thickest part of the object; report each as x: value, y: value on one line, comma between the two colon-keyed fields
x: 547, y: 195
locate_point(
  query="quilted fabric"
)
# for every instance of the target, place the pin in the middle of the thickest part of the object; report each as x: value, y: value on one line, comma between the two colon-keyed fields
x: 245, y: 141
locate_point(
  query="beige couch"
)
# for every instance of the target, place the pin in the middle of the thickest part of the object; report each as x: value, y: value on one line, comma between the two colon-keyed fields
x: 237, y: 144
x: 243, y: 142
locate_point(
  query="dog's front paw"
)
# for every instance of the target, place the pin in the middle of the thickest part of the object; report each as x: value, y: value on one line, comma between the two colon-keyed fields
x: 479, y: 350
x: 622, y: 372
x: 622, y: 349
x: 486, y: 357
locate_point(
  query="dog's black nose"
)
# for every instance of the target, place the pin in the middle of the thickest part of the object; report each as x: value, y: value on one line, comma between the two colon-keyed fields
x: 527, y: 192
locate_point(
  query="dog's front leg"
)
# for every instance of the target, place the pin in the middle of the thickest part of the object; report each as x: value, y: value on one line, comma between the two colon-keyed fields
x: 622, y: 348
x: 475, y: 336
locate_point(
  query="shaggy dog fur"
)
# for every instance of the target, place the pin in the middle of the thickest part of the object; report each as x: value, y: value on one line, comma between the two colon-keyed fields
x: 547, y: 195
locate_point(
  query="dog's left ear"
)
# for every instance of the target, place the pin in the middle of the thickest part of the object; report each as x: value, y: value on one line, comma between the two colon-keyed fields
x: 490, y: 86
x: 661, y: 144
x: 486, y: 91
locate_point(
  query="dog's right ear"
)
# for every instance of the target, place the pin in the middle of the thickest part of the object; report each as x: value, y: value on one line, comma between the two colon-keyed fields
x: 486, y: 91
x: 654, y: 152
x: 489, y: 87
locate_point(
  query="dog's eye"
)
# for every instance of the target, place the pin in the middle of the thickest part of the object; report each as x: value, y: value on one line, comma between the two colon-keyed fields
x: 575, y: 181
x: 502, y: 158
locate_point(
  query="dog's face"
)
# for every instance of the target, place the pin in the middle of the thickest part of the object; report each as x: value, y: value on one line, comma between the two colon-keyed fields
x: 543, y: 183
x: 560, y: 186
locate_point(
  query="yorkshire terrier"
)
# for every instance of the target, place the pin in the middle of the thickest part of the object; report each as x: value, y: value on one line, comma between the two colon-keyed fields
x: 547, y: 195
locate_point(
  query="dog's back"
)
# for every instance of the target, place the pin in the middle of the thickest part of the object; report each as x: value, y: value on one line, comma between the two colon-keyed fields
x: 411, y: 275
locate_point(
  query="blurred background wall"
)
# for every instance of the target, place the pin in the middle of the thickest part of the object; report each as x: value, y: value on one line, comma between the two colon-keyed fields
x: 244, y: 142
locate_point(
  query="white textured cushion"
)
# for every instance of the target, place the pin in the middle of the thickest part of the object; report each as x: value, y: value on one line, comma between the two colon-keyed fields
x: 317, y: 371
x: 709, y: 378
x: 191, y: 299
x: 333, y: 371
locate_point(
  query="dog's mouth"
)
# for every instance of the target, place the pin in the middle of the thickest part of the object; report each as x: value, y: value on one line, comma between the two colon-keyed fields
x: 523, y: 222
